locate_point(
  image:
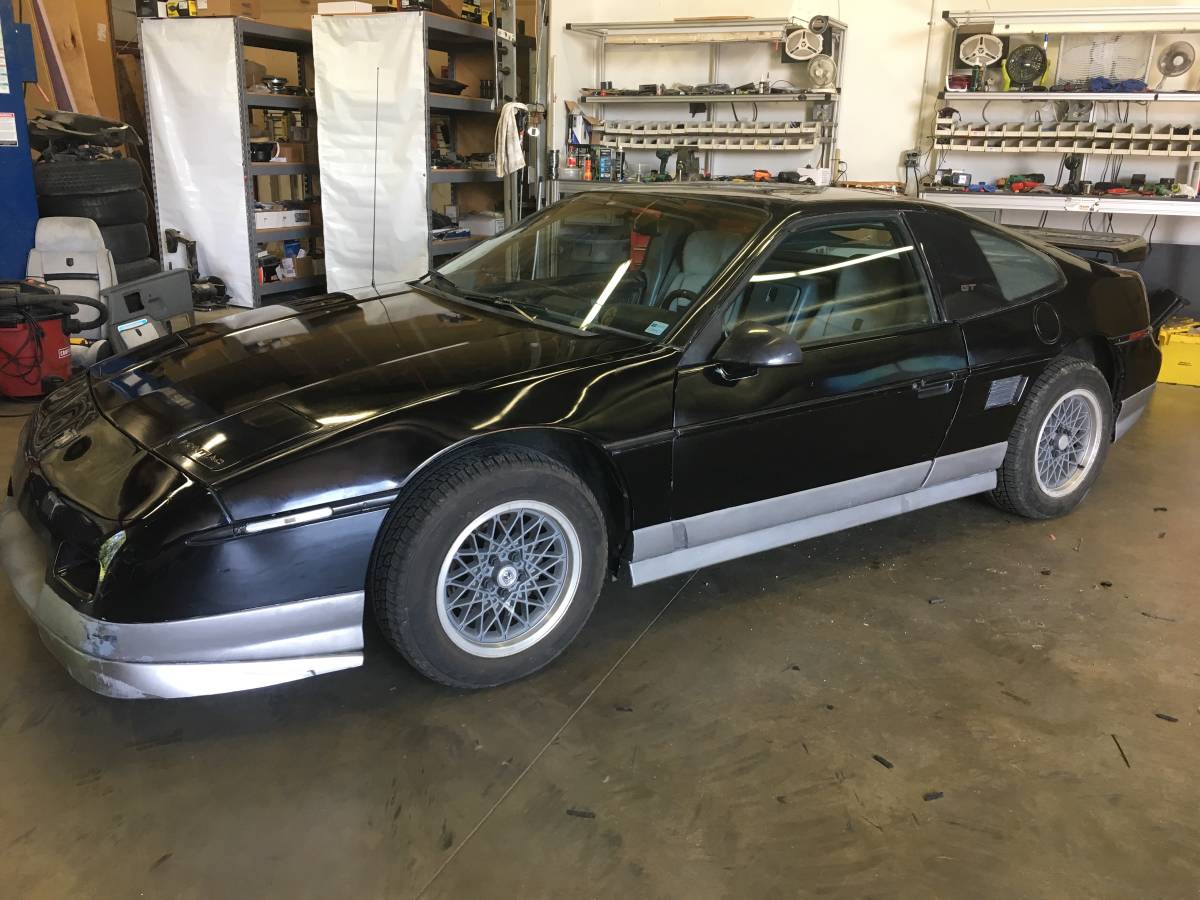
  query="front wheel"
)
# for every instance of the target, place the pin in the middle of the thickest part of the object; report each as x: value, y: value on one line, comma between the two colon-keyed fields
x: 1059, y: 442
x: 489, y: 566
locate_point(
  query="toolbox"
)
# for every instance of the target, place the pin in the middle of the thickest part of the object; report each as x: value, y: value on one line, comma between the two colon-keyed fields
x: 1180, y: 344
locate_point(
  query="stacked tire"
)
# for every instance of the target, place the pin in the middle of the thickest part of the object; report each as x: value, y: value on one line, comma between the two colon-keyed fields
x: 108, y: 191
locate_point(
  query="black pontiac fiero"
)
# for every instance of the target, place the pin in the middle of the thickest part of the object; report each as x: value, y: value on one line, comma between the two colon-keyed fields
x: 640, y: 379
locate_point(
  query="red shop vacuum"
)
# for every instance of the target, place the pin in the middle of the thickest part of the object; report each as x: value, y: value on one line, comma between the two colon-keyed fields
x: 36, y: 323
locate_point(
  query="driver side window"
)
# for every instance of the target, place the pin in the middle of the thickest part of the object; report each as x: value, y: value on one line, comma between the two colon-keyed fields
x: 837, y: 282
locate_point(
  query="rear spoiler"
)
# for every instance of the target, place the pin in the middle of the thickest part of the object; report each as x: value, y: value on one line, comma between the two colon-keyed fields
x: 1164, y: 303
x: 1105, y: 247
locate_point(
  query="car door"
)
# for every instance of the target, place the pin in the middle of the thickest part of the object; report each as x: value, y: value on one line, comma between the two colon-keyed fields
x: 1001, y: 291
x: 857, y: 420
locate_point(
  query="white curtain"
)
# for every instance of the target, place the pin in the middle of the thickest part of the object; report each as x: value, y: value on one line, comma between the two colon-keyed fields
x: 192, y: 87
x: 373, y: 138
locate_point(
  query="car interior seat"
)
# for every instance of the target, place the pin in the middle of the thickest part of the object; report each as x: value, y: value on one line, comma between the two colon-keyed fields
x: 871, y: 296
x: 69, y: 253
x: 704, y: 252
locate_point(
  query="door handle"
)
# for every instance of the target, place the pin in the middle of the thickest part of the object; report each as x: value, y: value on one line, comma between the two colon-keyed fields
x: 926, y: 389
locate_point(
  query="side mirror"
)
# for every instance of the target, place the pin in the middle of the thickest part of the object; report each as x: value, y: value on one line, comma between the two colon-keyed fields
x: 753, y: 345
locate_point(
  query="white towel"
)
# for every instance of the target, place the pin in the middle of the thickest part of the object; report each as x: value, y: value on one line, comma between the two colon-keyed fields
x: 509, y: 155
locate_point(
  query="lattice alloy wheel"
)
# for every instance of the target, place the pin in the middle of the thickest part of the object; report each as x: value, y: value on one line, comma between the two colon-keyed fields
x: 1068, y: 442
x: 508, y: 578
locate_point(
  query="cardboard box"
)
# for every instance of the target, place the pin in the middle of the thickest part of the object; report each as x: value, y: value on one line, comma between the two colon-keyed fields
x: 253, y: 72
x: 1180, y: 346
x: 281, y: 218
x: 483, y: 224
x: 306, y: 266
x: 251, y: 9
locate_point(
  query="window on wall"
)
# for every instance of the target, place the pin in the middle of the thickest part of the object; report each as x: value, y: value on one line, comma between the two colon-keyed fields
x: 835, y: 282
x: 978, y: 270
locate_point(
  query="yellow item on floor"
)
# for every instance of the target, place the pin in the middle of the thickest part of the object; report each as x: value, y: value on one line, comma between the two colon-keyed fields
x: 1180, y: 345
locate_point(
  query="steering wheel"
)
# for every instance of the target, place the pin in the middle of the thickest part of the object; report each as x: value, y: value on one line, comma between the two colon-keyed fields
x: 669, y: 301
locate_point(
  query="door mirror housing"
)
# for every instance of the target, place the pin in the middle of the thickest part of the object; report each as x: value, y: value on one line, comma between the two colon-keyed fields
x: 757, y: 345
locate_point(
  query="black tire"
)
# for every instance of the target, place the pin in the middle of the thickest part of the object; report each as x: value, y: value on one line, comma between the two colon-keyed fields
x: 120, y: 208
x: 422, y: 530
x: 139, y: 268
x: 126, y: 243
x: 1018, y: 488
x: 91, y: 176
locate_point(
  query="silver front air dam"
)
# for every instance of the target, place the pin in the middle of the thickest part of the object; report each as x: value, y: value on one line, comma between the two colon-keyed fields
x: 187, y: 657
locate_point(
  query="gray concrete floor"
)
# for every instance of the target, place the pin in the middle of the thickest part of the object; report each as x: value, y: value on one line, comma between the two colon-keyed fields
x: 719, y: 735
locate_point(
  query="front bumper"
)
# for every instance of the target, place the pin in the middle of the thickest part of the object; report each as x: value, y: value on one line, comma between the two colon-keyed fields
x: 186, y: 657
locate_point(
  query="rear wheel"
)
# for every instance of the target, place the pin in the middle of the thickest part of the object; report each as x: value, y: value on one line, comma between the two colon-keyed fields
x: 1059, y: 442
x: 488, y: 567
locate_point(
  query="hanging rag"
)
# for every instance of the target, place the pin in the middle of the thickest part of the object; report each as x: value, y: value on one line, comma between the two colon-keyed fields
x: 509, y: 155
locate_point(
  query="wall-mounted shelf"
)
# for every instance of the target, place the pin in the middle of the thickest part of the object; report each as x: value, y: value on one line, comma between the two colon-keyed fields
x: 708, y: 36
x: 448, y: 34
x: 282, y: 168
x: 454, y: 102
x: 1093, y: 96
x: 715, y: 30
x: 452, y: 246
x: 1077, y: 50
x: 1106, y: 138
x: 263, y: 235
x: 790, y: 97
x: 707, y: 135
x: 462, y: 176
x: 261, y: 100
x: 290, y: 284
x: 1140, y: 206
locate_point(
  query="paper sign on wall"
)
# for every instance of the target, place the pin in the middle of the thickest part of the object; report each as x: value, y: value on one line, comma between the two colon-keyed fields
x: 8, y: 129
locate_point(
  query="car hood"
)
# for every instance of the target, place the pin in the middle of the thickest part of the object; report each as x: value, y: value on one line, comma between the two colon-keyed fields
x: 220, y: 395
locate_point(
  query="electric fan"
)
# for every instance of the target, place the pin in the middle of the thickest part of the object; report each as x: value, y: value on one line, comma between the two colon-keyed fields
x: 803, y: 44
x: 1176, y: 59
x: 822, y: 71
x: 1025, y: 65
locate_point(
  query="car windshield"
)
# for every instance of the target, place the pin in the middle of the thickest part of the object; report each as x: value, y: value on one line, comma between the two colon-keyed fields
x: 620, y: 261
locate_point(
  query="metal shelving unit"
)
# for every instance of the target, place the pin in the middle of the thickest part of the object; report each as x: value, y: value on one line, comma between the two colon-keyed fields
x: 821, y: 106
x: 181, y: 57
x: 293, y: 40
x: 1090, y: 138
x: 454, y: 36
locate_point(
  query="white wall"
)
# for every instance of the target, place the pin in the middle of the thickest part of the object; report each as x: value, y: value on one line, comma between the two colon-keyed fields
x: 893, y: 59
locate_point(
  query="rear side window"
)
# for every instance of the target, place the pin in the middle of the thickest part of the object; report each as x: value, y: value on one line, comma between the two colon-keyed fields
x: 1021, y: 271
x: 977, y: 270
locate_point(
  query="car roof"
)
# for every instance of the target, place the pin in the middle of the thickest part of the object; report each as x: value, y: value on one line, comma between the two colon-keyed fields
x: 780, y: 198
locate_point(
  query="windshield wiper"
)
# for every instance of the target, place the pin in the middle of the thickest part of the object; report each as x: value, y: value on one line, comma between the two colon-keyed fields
x: 433, y: 276
x: 436, y: 278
